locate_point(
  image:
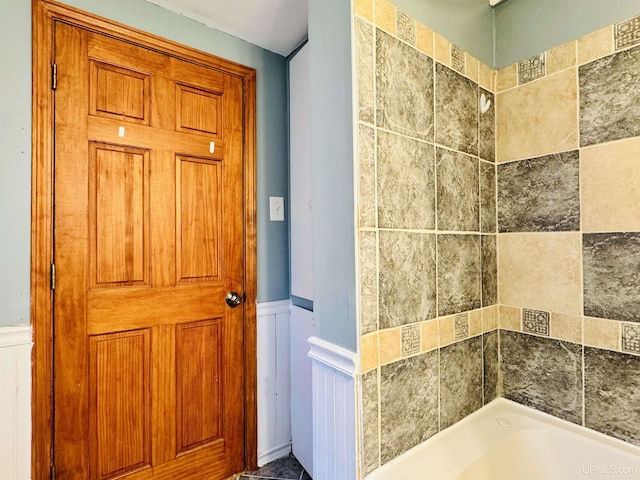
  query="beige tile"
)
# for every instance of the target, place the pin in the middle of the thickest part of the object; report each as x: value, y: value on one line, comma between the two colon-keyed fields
x: 538, y: 118
x: 542, y: 271
x: 601, y: 333
x: 429, y: 335
x: 424, y: 39
x: 385, y: 15
x: 471, y: 67
x: 446, y: 330
x: 442, y: 49
x: 369, y: 351
x: 507, y: 77
x: 595, y: 45
x: 364, y: 8
x: 561, y: 57
x: 566, y: 327
x: 485, y: 77
x: 390, y: 345
x: 610, y: 186
x: 490, y: 317
x: 475, y: 322
x: 510, y: 318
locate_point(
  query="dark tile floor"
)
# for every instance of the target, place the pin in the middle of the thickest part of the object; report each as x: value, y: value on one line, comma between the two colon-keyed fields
x: 286, y: 468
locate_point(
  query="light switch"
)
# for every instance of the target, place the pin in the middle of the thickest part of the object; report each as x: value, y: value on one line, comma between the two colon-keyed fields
x: 276, y: 209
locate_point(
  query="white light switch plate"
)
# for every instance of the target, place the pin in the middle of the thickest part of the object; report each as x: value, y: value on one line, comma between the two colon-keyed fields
x: 276, y: 209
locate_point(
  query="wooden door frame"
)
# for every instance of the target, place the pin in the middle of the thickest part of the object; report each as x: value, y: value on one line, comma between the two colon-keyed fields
x: 45, y: 14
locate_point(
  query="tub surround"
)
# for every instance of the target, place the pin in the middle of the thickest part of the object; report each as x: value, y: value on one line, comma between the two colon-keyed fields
x: 427, y: 232
x: 568, y: 221
x: 497, y: 232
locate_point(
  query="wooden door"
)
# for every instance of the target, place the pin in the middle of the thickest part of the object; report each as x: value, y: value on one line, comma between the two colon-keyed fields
x: 148, y: 241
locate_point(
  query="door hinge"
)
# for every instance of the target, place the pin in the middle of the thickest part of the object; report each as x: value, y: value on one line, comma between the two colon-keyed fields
x: 54, y: 76
x: 52, y: 472
x: 52, y: 276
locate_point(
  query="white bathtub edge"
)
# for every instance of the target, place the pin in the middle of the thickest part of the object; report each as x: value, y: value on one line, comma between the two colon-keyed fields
x: 475, y: 435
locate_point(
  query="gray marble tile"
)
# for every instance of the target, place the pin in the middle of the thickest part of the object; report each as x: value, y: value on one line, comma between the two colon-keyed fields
x: 365, y: 63
x: 404, y: 88
x: 609, y: 91
x: 460, y: 380
x: 458, y: 273
x: 489, y: 270
x: 408, y: 403
x: 456, y: 111
x: 540, y: 194
x: 612, y: 393
x: 491, y: 387
x: 542, y: 373
x: 611, y: 262
x: 407, y: 278
x: 368, y: 282
x: 367, y: 170
x: 487, y: 197
x: 370, y: 410
x: 406, y: 183
x: 458, y: 191
x: 487, y: 127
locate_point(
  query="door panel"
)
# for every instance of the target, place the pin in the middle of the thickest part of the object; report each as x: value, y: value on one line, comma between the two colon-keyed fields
x: 119, y: 384
x: 118, y: 216
x: 149, y: 360
x: 198, y: 224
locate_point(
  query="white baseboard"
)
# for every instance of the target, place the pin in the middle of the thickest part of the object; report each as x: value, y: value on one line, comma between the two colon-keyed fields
x: 15, y: 402
x: 274, y: 454
x: 334, y: 411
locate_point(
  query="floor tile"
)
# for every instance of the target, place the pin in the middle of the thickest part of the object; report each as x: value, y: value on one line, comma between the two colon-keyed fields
x: 286, y: 468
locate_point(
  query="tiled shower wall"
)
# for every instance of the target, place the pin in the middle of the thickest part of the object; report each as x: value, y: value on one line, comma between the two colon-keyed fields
x: 553, y: 263
x: 427, y: 232
x: 568, y: 153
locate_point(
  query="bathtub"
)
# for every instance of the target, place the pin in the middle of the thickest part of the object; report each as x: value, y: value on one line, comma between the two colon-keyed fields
x: 507, y: 441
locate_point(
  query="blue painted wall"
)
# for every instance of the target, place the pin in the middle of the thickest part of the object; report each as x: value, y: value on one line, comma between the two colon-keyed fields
x: 15, y: 138
x: 525, y: 28
x: 332, y: 172
x: 466, y: 23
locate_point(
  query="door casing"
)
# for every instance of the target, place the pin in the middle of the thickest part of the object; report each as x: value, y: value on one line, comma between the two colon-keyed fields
x: 45, y: 14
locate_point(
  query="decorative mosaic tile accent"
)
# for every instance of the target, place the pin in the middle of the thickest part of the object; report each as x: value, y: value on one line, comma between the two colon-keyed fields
x: 627, y: 33
x: 631, y: 338
x: 531, y: 68
x: 406, y: 27
x: 410, y: 340
x: 535, y: 321
x: 457, y: 58
x: 462, y: 326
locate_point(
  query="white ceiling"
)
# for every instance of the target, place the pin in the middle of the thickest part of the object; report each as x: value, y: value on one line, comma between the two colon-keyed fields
x: 276, y: 25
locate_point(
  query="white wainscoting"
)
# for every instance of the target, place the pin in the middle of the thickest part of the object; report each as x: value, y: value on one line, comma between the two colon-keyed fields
x: 15, y: 403
x: 301, y: 387
x: 274, y: 387
x: 334, y: 411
